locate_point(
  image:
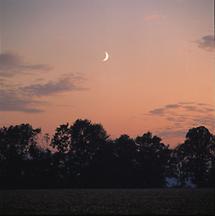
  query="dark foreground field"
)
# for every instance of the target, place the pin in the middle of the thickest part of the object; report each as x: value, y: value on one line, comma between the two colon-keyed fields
x: 108, y: 201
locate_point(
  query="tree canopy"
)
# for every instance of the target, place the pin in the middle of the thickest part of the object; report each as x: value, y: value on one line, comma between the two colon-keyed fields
x: 85, y: 156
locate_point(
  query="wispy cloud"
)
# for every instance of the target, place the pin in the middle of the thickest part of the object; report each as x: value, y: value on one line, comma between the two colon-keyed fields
x: 172, y: 133
x: 183, y: 115
x: 207, y: 42
x: 11, y: 101
x: 157, y: 111
x: 27, y: 97
x: 51, y: 87
x: 12, y: 64
x: 174, y: 109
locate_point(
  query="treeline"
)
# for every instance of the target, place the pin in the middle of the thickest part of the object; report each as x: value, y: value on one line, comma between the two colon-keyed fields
x: 84, y: 156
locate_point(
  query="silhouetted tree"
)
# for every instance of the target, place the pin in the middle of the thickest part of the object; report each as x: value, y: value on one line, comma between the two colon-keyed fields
x: 152, y: 156
x: 77, y: 145
x: 112, y: 165
x: 61, y: 159
x: 178, y: 165
x: 62, y: 140
x: 84, y: 156
x: 87, y: 140
x: 17, y: 146
x: 101, y: 171
x: 196, y: 154
x: 124, y: 152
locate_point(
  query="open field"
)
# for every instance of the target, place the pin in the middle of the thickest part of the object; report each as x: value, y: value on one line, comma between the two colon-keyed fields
x: 108, y: 201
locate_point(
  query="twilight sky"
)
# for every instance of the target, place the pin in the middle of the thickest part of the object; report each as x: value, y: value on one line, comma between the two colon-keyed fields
x: 159, y: 78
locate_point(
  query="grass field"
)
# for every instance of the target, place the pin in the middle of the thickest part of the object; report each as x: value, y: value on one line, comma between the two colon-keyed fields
x: 108, y: 201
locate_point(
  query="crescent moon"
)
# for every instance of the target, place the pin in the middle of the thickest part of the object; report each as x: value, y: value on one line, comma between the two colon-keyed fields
x: 106, y: 57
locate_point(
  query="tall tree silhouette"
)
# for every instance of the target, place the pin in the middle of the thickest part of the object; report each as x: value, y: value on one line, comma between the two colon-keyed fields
x: 197, y: 155
x: 87, y: 140
x: 78, y: 144
x: 152, y: 156
x: 125, y: 150
x: 17, y: 146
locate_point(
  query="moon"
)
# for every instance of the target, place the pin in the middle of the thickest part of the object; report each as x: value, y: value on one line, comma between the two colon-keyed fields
x: 106, y: 57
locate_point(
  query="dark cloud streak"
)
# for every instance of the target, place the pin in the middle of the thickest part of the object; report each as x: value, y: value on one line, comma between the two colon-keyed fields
x: 11, y: 65
x: 183, y: 115
x: 207, y: 42
x: 172, y: 133
x: 10, y: 101
x: 27, y: 98
x: 51, y: 88
x: 170, y: 108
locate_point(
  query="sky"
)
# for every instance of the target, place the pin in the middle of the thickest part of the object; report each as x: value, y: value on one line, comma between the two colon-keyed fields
x: 159, y: 76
